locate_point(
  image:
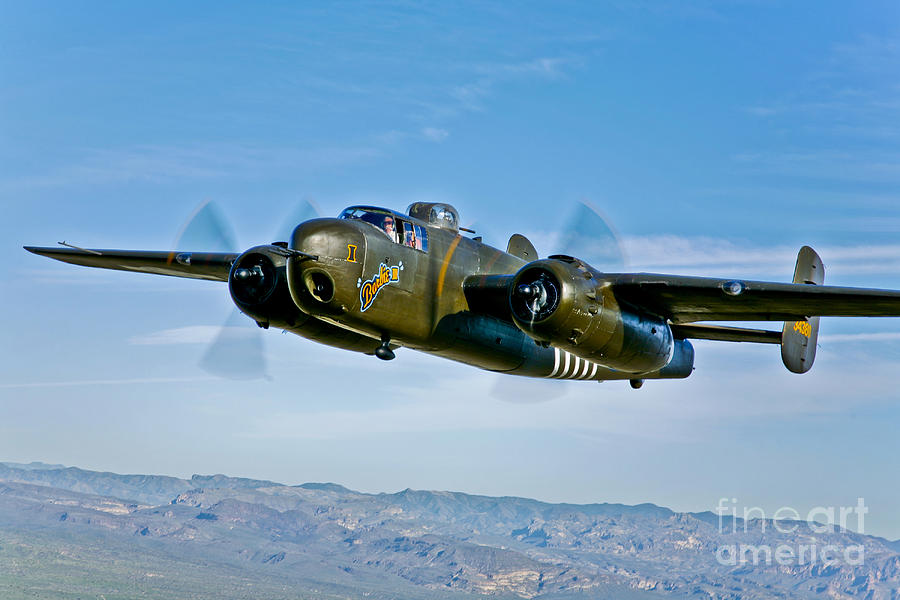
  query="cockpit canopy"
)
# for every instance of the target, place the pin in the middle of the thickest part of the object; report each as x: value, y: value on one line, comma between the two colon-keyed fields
x: 369, y: 214
x: 395, y: 226
x: 435, y: 213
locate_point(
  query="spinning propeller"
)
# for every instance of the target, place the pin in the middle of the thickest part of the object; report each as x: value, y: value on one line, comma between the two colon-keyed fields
x: 589, y: 237
x: 586, y: 235
x: 236, y: 352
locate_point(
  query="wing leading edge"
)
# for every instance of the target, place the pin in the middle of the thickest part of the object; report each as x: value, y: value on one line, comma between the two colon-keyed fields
x: 691, y: 299
x: 212, y: 266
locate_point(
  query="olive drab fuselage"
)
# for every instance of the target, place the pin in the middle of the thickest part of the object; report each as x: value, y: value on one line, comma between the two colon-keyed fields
x: 352, y: 275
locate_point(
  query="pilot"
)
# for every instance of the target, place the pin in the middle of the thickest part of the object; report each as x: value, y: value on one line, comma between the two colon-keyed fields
x: 388, y: 226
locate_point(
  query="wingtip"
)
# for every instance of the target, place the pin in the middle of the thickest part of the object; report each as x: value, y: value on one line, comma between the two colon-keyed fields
x: 41, y: 250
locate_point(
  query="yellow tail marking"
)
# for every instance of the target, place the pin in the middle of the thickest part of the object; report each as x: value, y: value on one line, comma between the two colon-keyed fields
x: 803, y: 328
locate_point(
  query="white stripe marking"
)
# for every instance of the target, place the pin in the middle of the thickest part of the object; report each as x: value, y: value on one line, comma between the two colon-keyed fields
x: 576, y: 364
x: 565, y: 369
x: 561, y: 367
x: 584, y: 372
x: 555, y: 362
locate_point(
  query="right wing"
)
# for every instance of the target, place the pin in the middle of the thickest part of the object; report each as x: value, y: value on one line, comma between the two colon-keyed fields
x: 691, y: 299
x: 213, y: 266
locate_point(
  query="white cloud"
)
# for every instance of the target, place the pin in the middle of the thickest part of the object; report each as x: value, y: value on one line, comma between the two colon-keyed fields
x: 155, y: 163
x: 720, y: 256
x: 886, y: 336
x: 543, y: 66
x: 850, y: 100
x: 868, y: 165
x: 470, y: 95
x: 763, y: 111
x: 716, y: 256
x: 158, y: 164
x: 435, y: 134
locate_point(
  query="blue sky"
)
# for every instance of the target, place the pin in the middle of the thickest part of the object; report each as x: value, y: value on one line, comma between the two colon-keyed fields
x: 717, y: 137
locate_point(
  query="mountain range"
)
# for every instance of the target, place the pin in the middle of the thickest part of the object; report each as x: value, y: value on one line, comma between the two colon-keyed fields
x: 69, y: 533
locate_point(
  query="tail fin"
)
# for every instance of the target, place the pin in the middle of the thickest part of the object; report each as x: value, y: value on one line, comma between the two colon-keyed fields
x: 798, y: 338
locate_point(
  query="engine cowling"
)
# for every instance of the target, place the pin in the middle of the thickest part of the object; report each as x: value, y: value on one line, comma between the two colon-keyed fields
x: 258, y: 286
x: 258, y: 283
x: 559, y: 301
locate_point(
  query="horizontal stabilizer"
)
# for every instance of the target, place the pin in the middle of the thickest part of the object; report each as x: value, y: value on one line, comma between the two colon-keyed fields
x: 722, y: 333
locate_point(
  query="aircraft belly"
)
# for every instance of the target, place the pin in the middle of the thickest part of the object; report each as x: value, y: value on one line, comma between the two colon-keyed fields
x: 496, y: 345
x: 330, y: 333
x: 481, y: 341
x: 569, y: 366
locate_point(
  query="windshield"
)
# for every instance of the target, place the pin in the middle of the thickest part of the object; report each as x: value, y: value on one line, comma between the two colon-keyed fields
x: 383, y: 220
x: 400, y: 231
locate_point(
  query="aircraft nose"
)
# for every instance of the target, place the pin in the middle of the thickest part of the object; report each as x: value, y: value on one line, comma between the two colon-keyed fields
x: 326, y: 238
x: 328, y: 284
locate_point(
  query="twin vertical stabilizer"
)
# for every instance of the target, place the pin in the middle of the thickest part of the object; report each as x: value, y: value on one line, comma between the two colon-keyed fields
x: 798, y: 338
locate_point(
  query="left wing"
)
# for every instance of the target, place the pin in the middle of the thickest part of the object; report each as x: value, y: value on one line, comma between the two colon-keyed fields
x: 690, y: 299
x: 213, y: 266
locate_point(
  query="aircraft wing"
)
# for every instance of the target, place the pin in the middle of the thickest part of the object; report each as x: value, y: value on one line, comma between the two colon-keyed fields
x: 690, y: 299
x: 213, y: 266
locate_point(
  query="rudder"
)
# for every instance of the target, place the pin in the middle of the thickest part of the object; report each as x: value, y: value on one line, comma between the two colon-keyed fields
x: 798, y: 338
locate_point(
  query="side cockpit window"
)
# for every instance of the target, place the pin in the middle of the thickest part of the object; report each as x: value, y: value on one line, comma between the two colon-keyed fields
x: 415, y: 236
x: 398, y: 230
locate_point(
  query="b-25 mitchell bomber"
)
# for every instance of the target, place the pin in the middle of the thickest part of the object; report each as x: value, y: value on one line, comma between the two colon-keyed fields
x: 374, y: 280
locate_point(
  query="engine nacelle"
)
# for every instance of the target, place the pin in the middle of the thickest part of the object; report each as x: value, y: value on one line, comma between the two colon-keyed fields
x: 560, y: 302
x: 259, y: 287
x: 258, y: 283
